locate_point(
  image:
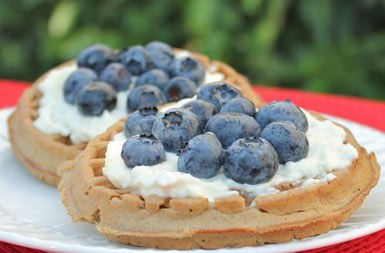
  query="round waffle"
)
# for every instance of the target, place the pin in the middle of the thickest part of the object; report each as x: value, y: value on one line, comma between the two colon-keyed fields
x: 41, y: 153
x: 187, y: 223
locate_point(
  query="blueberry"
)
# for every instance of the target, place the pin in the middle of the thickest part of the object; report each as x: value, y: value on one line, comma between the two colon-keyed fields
x: 229, y: 127
x: 218, y: 93
x: 140, y: 121
x: 290, y: 143
x: 282, y: 111
x: 239, y: 105
x: 162, y: 55
x: 202, y: 109
x: 142, y: 150
x: 117, y: 75
x: 94, y: 98
x: 144, y: 96
x: 175, y: 127
x: 155, y: 77
x: 77, y: 80
x: 201, y: 156
x: 251, y: 161
x: 190, y: 68
x: 136, y: 59
x: 96, y: 57
x: 178, y: 88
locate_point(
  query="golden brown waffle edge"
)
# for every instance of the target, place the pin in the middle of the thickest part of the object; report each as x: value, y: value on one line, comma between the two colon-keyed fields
x: 186, y: 223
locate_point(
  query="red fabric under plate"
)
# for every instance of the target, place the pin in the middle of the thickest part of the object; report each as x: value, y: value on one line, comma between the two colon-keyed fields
x: 10, y: 92
x: 364, y: 111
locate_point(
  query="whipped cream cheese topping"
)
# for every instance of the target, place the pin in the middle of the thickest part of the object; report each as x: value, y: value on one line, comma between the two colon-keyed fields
x: 56, y: 116
x: 326, y: 153
x: 162, y: 179
x: 59, y: 117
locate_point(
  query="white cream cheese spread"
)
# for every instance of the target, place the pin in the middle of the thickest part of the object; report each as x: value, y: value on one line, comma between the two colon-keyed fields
x: 56, y: 116
x: 327, y: 152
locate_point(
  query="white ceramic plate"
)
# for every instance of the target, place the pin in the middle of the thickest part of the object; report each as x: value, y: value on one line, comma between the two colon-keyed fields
x: 32, y: 215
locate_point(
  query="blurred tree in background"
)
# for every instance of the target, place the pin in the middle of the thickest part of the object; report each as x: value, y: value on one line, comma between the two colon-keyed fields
x: 318, y: 45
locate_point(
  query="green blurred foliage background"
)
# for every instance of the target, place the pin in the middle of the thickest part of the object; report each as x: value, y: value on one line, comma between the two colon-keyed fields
x: 317, y: 45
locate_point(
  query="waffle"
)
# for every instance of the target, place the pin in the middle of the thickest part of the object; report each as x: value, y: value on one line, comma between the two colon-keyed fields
x: 41, y: 153
x: 188, y: 223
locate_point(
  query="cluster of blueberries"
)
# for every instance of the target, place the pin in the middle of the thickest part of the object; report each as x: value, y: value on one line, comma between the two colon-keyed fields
x: 221, y: 128
x: 158, y: 76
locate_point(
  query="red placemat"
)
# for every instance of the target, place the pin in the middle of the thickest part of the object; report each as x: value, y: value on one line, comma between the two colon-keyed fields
x: 364, y: 111
x: 10, y: 92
